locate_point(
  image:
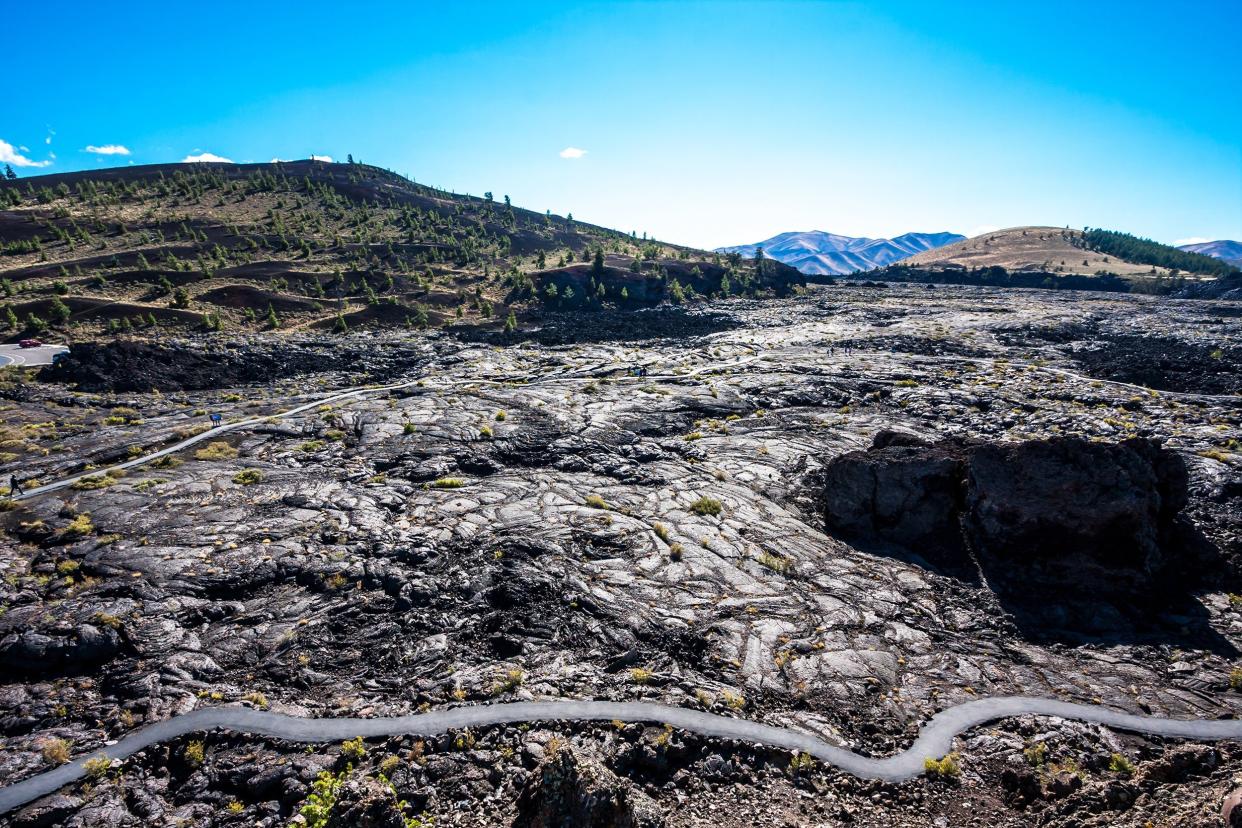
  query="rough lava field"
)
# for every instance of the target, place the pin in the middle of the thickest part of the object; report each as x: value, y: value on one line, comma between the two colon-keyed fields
x: 530, y: 520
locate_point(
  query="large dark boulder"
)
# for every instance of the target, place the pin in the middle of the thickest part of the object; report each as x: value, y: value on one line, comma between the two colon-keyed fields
x: 573, y: 791
x: 1084, y: 517
x: 902, y: 492
x: 1080, y: 533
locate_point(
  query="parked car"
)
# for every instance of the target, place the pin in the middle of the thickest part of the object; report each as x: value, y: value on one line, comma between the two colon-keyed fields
x: 30, y: 343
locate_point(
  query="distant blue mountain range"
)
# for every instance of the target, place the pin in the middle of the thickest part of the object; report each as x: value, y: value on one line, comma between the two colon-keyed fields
x: 827, y: 254
x: 1230, y: 251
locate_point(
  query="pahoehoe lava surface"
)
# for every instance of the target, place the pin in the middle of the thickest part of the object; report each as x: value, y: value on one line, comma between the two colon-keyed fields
x: 638, y: 517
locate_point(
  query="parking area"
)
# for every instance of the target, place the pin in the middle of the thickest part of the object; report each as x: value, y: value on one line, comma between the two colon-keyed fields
x: 40, y: 355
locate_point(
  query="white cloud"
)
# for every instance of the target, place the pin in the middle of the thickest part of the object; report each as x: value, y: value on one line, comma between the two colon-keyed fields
x: 107, y: 149
x: 1191, y: 240
x: 327, y: 158
x: 205, y: 158
x: 572, y: 152
x: 279, y: 160
x: 981, y: 229
x: 9, y: 155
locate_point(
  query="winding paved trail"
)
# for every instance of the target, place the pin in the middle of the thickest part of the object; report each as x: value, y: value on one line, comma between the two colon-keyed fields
x: 935, y: 739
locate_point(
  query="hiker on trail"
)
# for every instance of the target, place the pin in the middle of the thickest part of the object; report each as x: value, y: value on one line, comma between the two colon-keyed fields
x: 216, y: 419
x: 15, y: 485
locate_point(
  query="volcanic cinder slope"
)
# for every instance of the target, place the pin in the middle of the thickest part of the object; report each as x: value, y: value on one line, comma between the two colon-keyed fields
x: 1047, y: 249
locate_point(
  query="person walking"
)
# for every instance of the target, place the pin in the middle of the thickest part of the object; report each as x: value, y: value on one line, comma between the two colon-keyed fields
x: 15, y: 485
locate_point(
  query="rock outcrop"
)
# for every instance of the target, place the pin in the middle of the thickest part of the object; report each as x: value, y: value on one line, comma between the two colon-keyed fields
x: 573, y: 791
x: 1048, y: 523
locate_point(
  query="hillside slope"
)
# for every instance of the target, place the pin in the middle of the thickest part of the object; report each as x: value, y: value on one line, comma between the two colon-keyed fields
x: 260, y: 247
x: 819, y: 253
x: 1062, y: 251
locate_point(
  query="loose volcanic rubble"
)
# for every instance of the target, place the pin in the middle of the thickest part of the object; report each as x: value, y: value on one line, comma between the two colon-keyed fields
x: 588, y: 513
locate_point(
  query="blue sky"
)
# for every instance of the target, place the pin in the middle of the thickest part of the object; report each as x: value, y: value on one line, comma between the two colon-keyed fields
x: 708, y: 124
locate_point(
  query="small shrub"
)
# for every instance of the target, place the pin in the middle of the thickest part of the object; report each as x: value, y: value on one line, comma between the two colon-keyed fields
x: 353, y: 748
x: 801, y: 762
x: 661, y: 531
x: 596, y: 502
x: 1121, y: 765
x: 707, y: 506
x: 774, y: 562
x: 257, y: 699
x: 486, y: 432
x: 97, y: 768
x: 194, y: 753
x: 248, y: 477
x: 79, y: 527
x: 408, y: 428
x: 218, y: 450
x: 1235, y: 679
x: 500, y: 416
x: 95, y: 481
x: 388, y: 765
x: 447, y: 483
x: 105, y: 619
x: 946, y: 767
x: 511, y: 680
x: 235, y: 807
x: 735, y: 701
x: 56, y: 751
x: 639, y: 675
x: 1036, y: 754
x: 311, y: 445
x: 675, y: 551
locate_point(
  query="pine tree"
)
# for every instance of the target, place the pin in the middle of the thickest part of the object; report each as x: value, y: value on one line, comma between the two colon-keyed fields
x: 340, y: 325
x: 8, y: 172
x: 10, y: 318
x: 510, y: 323
x: 273, y: 321
x: 597, y: 267
x: 59, y: 310
x: 181, y: 298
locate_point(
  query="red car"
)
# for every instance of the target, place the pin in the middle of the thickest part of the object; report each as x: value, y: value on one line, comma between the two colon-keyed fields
x: 29, y: 343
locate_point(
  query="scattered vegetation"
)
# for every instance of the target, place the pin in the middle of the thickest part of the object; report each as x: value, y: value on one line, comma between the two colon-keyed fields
x: 56, y: 751
x: 194, y: 753
x: 946, y: 767
x: 1121, y: 765
x: 707, y: 506
x: 218, y: 450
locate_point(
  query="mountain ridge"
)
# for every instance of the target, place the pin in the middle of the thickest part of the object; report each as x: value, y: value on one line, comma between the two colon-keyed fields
x: 1224, y: 249
x: 820, y: 253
